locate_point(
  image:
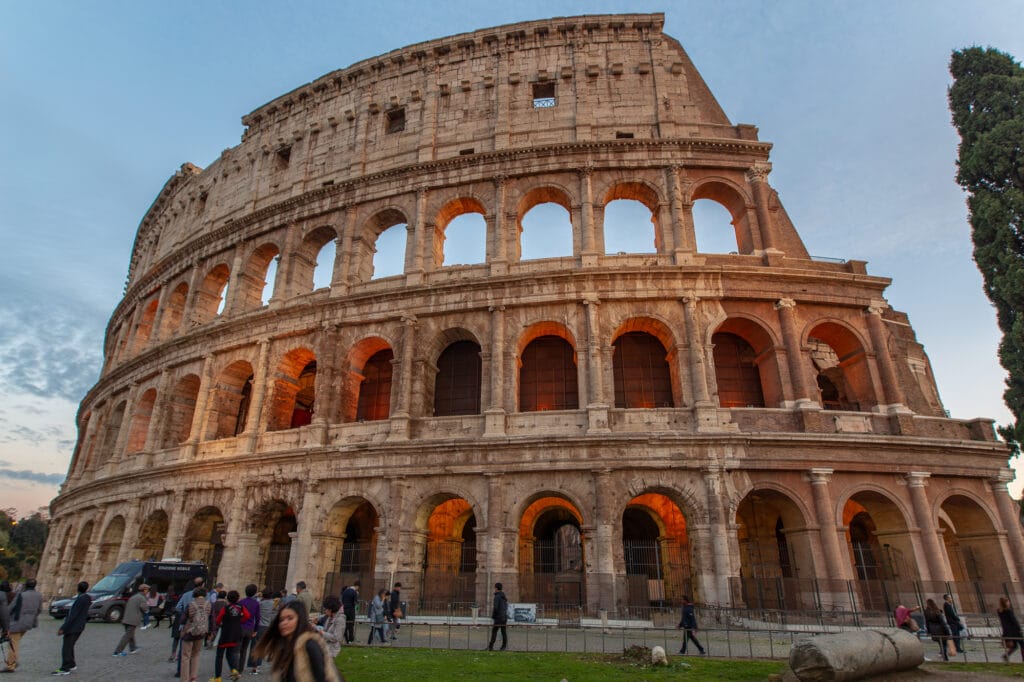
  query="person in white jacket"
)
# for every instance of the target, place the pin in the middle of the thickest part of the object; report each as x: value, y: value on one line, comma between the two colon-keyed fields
x: 333, y: 627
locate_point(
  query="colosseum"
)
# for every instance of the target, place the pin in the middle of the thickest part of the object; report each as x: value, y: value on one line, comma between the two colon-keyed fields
x: 308, y: 379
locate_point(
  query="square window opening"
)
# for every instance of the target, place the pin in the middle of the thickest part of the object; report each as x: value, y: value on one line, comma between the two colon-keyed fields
x: 623, y: 136
x: 396, y: 120
x: 544, y: 95
x: 283, y: 156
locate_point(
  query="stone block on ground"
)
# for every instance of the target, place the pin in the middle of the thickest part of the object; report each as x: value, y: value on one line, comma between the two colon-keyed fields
x: 855, y: 655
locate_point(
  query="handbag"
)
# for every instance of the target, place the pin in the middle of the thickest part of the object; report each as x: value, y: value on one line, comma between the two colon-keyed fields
x: 950, y: 648
x: 399, y: 613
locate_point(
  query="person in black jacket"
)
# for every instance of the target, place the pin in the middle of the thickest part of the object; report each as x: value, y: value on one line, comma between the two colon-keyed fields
x: 1012, y: 636
x: 499, y: 614
x: 689, y: 624
x: 938, y: 628
x: 956, y: 626
x: 74, y: 624
x: 349, y: 597
x: 394, y: 610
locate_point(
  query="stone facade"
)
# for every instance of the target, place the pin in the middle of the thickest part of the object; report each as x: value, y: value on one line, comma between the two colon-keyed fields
x: 597, y: 431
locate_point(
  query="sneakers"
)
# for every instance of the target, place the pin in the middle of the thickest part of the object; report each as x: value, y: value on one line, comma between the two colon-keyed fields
x: 235, y: 674
x: 134, y: 651
x: 61, y: 671
x: 120, y: 653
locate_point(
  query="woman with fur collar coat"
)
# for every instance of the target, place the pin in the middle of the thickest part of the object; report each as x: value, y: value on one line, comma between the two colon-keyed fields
x: 296, y: 651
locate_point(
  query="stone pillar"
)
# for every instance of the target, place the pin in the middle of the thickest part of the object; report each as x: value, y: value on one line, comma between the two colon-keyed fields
x: 718, y: 527
x: 188, y: 315
x: 494, y: 415
x: 234, y: 562
x: 177, y: 524
x: 256, y: 420
x: 602, y: 561
x: 131, y: 532
x: 933, y: 567
x: 416, y: 242
x: 117, y: 454
x: 836, y: 566
x: 345, y: 256
x: 301, y: 557
x: 339, y: 273
x: 159, y: 416
x: 206, y: 388
x: 681, y: 210
x: 156, y: 334
x: 757, y: 176
x: 90, y: 567
x: 588, y: 230
x: 597, y: 400
x: 1010, y: 518
x: 391, y: 552
x: 879, y: 339
x: 235, y: 280
x: 499, y: 228
x: 494, y: 569
x: 698, y: 375
x: 400, y: 415
x: 284, y: 280
x: 795, y: 354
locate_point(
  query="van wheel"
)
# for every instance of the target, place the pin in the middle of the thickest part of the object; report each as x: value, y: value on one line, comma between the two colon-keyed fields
x: 114, y: 614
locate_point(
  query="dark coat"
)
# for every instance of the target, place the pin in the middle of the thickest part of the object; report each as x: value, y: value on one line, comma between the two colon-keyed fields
x: 951, y: 617
x: 936, y: 624
x: 25, y: 610
x: 348, y: 600
x: 1009, y: 623
x: 689, y: 619
x: 396, y: 601
x: 78, y: 614
x: 499, y: 613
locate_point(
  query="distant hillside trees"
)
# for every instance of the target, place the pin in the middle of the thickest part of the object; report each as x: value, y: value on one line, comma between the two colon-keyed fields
x: 21, y: 544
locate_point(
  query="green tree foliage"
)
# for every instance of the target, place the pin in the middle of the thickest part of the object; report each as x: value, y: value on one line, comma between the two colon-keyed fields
x: 987, y: 102
x: 21, y: 542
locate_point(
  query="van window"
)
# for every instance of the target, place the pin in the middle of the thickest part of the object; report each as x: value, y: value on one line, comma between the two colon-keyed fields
x: 115, y: 582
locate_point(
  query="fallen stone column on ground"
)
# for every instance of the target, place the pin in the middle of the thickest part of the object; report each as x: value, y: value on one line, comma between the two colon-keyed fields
x: 855, y: 655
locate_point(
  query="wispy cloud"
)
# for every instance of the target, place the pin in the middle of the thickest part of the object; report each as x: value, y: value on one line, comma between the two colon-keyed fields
x: 31, y: 476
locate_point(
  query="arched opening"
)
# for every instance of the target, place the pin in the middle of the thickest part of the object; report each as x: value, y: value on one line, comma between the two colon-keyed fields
x: 736, y: 371
x: 375, y: 387
x: 81, y: 549
x: 630, y: 227
x: 389, y: 252
x: 140, y: 422
x: 256, y: 283
x: 548, y: 376
x: 181, y: 408
x: 323, y: 271
x: 275, y: 525
x: 111, y: 432
x: 975, y: 554
x: 229, y: 401
x: 152, y: 536
x: 294, y: 391
x: 775, y: 552
x: 545, y: 225
x: 457, y: 384
x: 551, y: 560
x: 144, y: 330
x: 110, y: 545
x: 449, y: 556
x: 349, y: 543
x: 641, y: 370
x: 212, y: 294
x: 656, y: 553
x: 840, y: 365
x: 460, y: 236
x: 881, y: 551
x: 174, y: 312
x: 713, y: 228
x: 204, y: 539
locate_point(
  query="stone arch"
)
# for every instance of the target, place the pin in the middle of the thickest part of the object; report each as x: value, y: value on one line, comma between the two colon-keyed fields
x: 840, y: 361
x: 229, y: 401
x: 274, y: 522
x: 547, y: 369
x: 641, y: 192
x: 112, y: 430
x: 305, y: 261
x: 735, y: 199
x: 142, y: 415
x: 152, y: 535
x: 367, y: 395
x: 446, y: 549
x: 776, y: 550
x: 453, y: 209
x: 546, y: 193
x: 293, y: 390
x: 180, y: 411
x: 110, y: 544
x: 174, y: 311
x: 643, y: 376
x: 211, y: 294
x: 457, y: 382
x: 879, y: 543
x: 253, y: 280
x: 365, y: 243
x: 348, y: 540
x: 551, y: 558
x: 974, y: 549
x: 655, y: 551
x: 144, y: 328
x: 80, y: 551
x: 204, y: 538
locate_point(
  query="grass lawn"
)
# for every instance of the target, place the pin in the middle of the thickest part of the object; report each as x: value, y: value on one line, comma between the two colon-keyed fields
x: 372, y: 663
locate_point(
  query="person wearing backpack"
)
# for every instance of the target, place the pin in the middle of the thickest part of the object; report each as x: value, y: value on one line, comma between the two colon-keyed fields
x: 229, y: 619
x: 195, y: 626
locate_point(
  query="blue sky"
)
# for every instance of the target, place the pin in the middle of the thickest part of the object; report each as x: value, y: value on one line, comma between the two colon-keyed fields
x: 103, y: 101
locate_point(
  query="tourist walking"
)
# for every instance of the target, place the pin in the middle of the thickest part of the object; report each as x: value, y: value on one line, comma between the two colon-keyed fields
x: 295, y: 649
x: 938, y: 628
x: 499, y: 617
x: 1012, y: 638
x: 267, y: 613
x: 229, y: 621
x: 333, y: 628
x: 956, y: 624
x: 688, y: 623
x: 251, y: 604
x: 71, y: 629
x: 395, y: 611
x: 195, y: 626
x: 303, y: 595
x: 153, y: 601
x: 376, y: 617
x: 24, y: 617
x: 134, y: 610
x: 349, y: 597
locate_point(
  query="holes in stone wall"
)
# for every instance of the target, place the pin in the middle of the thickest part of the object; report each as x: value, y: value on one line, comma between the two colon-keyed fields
x: 395, y: 120
x: 544, y: 95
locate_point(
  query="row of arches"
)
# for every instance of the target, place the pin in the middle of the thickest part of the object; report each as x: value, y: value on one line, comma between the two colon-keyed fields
x: 630, y: 218
x: 658, y: 553
x: 645, y: 370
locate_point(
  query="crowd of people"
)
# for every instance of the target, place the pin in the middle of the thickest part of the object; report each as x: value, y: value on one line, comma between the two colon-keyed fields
x: 946, y: 627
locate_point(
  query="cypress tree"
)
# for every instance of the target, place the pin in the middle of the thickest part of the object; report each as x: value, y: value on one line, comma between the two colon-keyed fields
x: 987, y: 103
